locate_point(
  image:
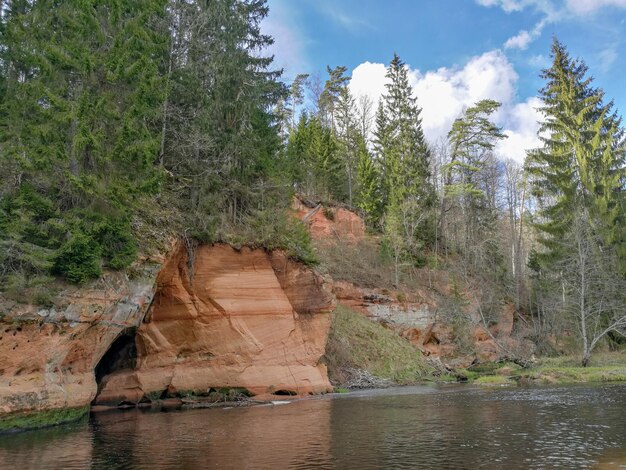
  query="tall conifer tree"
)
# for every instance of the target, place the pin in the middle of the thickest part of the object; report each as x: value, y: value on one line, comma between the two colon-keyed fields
x: 582, y: 161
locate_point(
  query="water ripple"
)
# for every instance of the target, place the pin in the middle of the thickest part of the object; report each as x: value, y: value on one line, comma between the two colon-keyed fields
x: 414, y: 427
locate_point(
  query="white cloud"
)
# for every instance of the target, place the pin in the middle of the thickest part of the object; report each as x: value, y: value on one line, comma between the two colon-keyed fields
x: 443, y: 94
x: 506, y: 5
x: 523, y: 39
x: 519, y: 41
x: 349, y: 21
x: 607, y: 57
x: 582, y: 7
x: 368, y: 79
x: 539, y: 61
x: 522, y: 127
x: 554, y: 9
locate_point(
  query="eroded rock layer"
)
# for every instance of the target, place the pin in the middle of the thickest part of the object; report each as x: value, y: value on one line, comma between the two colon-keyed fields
x: 247, y: 319
x: 329, y: 223
x: 48, y: 355
x: 417, y: 316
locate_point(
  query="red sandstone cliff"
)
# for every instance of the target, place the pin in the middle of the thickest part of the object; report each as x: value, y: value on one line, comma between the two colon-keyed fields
x: 48, y: 355
x: 330, y: 223
x: 415, y: 311
x: 245, y: 318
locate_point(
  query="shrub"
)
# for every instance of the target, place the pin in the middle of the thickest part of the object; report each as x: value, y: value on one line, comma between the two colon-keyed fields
x: 117, y: 243
x: 276, y: 229
x: 79, y: 259
x: 35, y: 289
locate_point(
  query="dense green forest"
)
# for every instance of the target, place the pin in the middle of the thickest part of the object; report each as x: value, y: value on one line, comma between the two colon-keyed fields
x: 113, y: 112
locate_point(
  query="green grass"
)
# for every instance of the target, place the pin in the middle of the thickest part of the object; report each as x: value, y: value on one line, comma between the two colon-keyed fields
x: 494, y: 380
x: 42, y: 419
x: 607, y: 367
x: 359, y: 343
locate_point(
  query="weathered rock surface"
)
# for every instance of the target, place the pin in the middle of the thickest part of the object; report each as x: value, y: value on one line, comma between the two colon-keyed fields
x: 48, y: 356
x: 417, y: 317
x: 330, y: 223
x: 245, y: 318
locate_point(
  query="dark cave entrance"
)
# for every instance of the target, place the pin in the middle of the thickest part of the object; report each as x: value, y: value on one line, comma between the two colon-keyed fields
x: 122, y: 354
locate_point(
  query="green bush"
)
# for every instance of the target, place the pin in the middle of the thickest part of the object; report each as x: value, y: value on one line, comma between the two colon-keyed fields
x: 117, y: 243
x: 79, y: 259
x: 37, y: 289
x: 276, y: 229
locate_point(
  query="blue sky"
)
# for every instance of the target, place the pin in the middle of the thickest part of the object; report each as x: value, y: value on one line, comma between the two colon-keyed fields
x: 458, y: 51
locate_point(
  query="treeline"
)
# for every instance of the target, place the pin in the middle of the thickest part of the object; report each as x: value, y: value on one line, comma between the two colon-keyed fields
x: 427, y: 201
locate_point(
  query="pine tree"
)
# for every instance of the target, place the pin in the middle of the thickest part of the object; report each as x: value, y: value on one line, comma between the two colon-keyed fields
x: 469, y: 175
x: 337, y: 81
x: 296, y: 91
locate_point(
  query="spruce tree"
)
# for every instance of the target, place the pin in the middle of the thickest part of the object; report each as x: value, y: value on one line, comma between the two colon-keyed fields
x: 581, y: 164
x: 82, y: 98
x: 368, y: 190
x: 223, y: 91
x: 404, y: 159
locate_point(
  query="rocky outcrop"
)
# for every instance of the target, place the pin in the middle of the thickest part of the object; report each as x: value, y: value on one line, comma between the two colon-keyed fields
x: 48, y: 355
x: 247, y: 319
x: 329, y: 223
x: 228, y: 318
x: 417, y: 317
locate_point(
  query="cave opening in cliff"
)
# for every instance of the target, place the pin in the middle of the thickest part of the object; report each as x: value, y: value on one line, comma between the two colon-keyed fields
x: 122, y: 354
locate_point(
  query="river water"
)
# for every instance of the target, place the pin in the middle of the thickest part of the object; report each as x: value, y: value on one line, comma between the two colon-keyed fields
x: 456, y: 426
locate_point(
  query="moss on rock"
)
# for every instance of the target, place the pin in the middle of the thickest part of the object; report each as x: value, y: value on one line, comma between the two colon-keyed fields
x: 41, y: 419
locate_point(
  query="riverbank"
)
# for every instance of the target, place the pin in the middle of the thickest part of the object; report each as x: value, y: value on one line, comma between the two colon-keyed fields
x: 605, y: 367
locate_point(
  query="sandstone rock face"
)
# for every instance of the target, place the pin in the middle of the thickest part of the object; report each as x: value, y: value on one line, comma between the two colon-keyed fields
x: 48, y: 356
x: 331, y: 223
x: 244, y: 318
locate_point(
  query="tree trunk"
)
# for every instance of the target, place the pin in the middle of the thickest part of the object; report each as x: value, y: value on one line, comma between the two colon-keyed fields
x: 586, y: 359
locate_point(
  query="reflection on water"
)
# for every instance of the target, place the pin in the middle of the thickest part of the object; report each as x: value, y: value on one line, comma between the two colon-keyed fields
x: 415, y: 427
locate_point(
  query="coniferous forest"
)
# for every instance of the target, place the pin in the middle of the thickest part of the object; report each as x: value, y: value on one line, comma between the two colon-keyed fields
x: 120, y: 118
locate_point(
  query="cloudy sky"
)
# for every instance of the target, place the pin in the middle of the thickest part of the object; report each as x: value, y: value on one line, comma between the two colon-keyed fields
x: 458, y: 51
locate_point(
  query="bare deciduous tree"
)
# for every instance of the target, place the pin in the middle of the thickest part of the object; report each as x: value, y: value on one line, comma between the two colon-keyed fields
x: 593, y: 288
